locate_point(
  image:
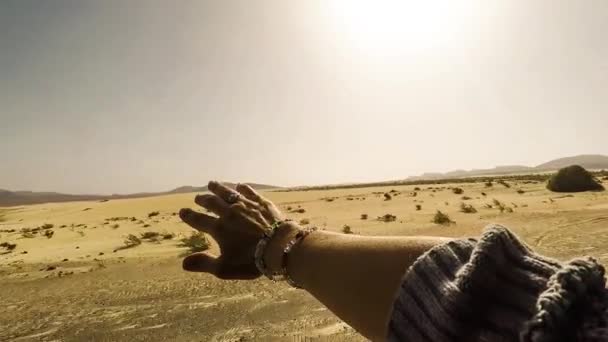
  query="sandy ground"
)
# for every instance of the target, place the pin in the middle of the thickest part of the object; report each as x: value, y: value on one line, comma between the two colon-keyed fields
x: 74, y: 287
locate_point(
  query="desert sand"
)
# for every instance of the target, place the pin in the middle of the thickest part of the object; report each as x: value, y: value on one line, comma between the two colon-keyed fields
x: 74, y: 287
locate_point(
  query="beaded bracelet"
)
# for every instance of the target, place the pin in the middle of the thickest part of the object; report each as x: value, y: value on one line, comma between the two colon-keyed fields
x: 261, y: 248
x: 297, y: 239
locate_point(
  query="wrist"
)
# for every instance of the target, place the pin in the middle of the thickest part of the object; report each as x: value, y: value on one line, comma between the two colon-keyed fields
x: 273, y: 254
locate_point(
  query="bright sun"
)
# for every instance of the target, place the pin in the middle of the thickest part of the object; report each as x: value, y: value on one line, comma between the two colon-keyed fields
x: 393, y: 26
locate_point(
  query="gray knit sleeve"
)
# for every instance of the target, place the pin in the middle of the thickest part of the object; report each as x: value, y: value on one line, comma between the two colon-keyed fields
x: 497, y: 289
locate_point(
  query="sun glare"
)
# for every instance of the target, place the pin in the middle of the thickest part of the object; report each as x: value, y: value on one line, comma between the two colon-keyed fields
x: 391, y: 26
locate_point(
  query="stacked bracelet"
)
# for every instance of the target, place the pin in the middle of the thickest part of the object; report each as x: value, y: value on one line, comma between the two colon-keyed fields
x: 261, y: 248
x: 297, y: 239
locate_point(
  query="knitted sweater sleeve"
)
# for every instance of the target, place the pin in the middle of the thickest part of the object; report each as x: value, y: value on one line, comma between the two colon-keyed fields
x: 498, y: 289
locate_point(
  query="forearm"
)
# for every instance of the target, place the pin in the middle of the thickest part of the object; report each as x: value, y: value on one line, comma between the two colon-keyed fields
x: 356, y: 277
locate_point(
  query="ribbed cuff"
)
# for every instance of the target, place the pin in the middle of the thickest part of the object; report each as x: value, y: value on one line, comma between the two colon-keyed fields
x: 494, y: 289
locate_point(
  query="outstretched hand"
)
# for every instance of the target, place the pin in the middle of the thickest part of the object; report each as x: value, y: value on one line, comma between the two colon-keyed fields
x: 242, y: 217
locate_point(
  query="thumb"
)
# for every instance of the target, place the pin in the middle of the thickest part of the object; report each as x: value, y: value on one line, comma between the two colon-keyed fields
x: 200, y: 262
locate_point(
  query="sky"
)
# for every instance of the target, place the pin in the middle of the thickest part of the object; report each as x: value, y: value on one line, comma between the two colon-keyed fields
x: 126, y: 96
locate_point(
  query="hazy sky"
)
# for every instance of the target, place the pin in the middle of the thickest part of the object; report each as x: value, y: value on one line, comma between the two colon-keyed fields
x: 115, y: 96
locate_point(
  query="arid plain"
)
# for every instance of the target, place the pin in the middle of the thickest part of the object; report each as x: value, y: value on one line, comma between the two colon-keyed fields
x: 78, y: 285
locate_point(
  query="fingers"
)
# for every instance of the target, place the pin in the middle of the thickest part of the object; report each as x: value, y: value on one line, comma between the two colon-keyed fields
x: 249, y: 193
x: 198, y: 221
x: 213, y: 203
x: 200, y: 262
x: 203, y: 262
x: 227, y: 194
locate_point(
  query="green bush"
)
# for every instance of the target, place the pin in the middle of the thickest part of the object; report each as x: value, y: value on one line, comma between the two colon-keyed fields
x: 573, y: 179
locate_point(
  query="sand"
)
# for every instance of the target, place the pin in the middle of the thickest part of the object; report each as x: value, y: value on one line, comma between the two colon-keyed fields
x: 141, y: 293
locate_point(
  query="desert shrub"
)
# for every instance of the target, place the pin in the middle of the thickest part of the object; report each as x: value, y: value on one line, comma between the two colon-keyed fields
x: 8, y: 246
x: 349, y: 198
x: 329, y: 199
x: 418, y: 207
x: 48, y: 233
x: 465, y: 198
x: 441, y: 218
x: 509, y: 209
x: 133, y: 219
x: 489, y: 184
x: 501, y: 206
x: 27, y: 234
x: 149, y: 235
x: 387, y: 218
x: 520, y: 191
x: 154, y: 213
x: 115, y: 226
x: 364, y: 216
x: 484, y: 194
x: 299, y: 211
x: 489, y: 206
x: 387, y: 196
x: 414, y: 194
x: 504, y: 183
x: 346, y: 229
x: 416, y: 189
x: 304, y: 221
x: 457, y: 191
x: 47, y: 226
x: 168, y: 236
x: 467, y: 208
x: 129, y: 242
x: 197, y: 242
x: 573, y: 179
x: 146, y: 225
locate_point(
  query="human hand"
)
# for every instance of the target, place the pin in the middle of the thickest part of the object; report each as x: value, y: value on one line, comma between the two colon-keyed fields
x: 243, y: 217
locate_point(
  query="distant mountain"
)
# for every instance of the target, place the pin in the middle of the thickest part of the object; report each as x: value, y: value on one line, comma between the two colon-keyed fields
x: 586, y: 161
x: 13, y: 198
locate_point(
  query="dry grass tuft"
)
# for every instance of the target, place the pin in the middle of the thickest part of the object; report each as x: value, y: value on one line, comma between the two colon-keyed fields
x: 197, y: 242
x: 154, y: 213
x: 441, y: 218
x: 346, y: 229
x: 387, y: 218
x: 467, y: 208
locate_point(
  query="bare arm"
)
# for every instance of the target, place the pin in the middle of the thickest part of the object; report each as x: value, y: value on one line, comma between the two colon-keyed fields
x: 356, y: 277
